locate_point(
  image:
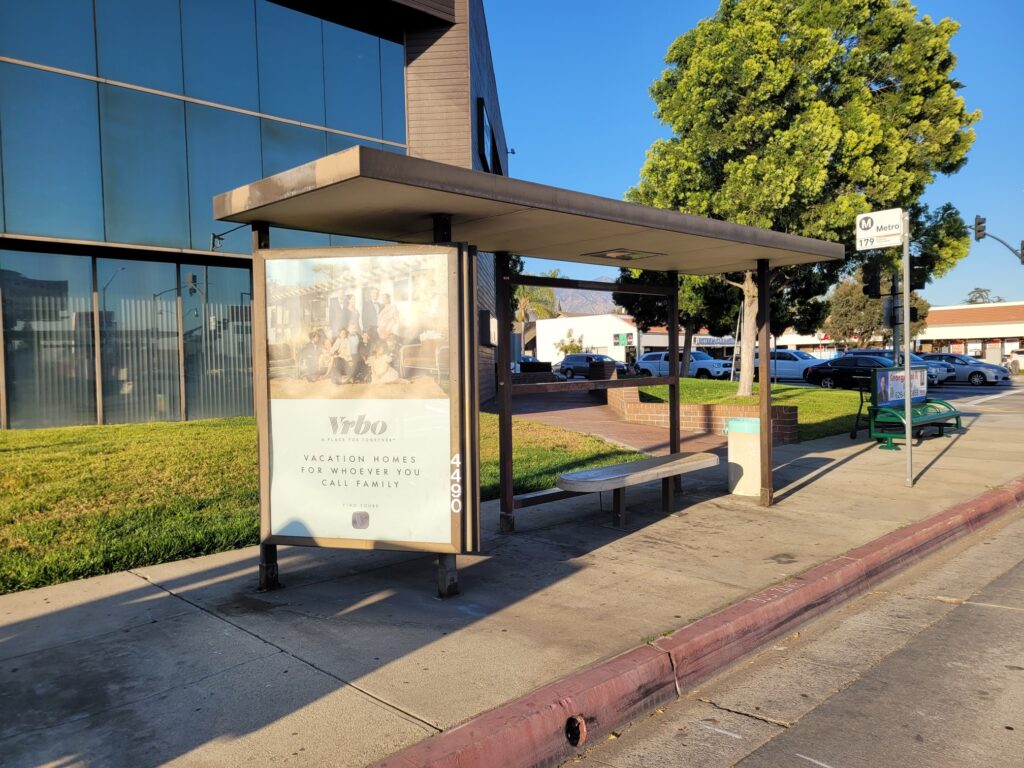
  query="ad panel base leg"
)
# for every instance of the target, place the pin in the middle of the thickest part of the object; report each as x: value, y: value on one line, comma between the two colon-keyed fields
x: 268, y: 568
x: 447, y: 576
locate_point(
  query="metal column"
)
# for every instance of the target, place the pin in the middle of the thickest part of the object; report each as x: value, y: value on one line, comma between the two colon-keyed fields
x: 670, y: 485
x: 447, y: 564
x: 764, y: 376
x: 503, y: 293
x: 269, y: 577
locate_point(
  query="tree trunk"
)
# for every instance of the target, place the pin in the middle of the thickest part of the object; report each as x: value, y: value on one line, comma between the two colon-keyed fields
x: 684, y: 369
x: 748, y: 337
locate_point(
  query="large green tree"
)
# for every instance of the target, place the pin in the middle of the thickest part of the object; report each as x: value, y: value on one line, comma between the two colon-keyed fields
x: 855, y: 319
x: 796, y: 115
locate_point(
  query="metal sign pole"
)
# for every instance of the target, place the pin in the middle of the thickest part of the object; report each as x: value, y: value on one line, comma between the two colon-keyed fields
x: 908, y: 385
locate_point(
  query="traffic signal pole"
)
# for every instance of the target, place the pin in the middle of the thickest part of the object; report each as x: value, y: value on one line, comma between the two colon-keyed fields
x: 907, y: 385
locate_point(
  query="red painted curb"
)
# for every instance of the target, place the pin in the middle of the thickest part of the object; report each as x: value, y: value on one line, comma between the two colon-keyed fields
x: 531, y: 731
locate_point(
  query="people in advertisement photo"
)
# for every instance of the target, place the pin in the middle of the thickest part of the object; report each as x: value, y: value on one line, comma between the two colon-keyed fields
x: 358, y: 327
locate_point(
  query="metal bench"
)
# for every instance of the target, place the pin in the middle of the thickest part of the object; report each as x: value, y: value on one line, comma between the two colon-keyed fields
x: 618, y: 477
x: 885, y: 413
x: 888, y: 422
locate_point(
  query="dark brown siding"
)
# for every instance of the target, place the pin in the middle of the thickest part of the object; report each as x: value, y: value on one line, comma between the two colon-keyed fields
x: 437, y: 91
x: 442, y: 9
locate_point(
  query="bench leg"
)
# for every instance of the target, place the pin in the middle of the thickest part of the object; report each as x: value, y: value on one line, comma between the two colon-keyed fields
x: 668, y: 488
x: 619, y: 507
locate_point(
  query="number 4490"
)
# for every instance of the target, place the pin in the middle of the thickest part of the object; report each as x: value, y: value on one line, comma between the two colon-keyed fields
x: 455, y: 487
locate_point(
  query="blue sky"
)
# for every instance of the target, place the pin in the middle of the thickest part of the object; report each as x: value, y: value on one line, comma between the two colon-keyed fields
x: 573, y: 78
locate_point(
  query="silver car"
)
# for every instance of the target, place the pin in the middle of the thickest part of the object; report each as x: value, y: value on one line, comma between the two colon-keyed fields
x: 972, y: 370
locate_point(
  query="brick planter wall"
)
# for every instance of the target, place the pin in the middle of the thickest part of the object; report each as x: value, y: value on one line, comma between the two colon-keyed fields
x: 696, y: 417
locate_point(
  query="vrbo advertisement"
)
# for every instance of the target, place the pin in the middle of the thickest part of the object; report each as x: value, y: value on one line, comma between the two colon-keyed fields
x: 364, y: 397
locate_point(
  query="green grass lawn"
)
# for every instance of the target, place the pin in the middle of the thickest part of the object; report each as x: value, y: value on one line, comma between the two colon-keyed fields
x: 82, y: 501
x: 822, y: 412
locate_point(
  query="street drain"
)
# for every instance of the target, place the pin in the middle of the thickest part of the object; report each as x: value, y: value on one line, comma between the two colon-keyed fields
x: 576, y: 730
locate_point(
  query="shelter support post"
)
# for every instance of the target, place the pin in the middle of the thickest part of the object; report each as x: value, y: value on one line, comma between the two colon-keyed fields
x: 447, y: 569
x: 764, y: 377
x: 667, y: 490
x: 503, y: 297
x: 268, y: 574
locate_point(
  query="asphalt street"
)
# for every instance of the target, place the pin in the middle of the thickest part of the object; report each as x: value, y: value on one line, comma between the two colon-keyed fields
x: 927, y: 671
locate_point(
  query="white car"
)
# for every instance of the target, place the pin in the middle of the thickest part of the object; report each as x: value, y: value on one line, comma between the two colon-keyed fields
x: 788, y: 363
x: 702, y: 365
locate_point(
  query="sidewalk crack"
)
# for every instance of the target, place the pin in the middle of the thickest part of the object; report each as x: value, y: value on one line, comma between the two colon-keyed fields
x: 762, y: 718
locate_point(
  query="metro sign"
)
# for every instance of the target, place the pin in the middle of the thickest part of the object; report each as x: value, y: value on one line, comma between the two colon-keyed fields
x: 879, y: 229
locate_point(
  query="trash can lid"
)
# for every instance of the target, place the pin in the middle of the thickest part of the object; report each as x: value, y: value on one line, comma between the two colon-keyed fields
x: 744, y: 425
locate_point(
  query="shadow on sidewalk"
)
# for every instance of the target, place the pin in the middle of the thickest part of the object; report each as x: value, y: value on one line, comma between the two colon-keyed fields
x: 193, y: 658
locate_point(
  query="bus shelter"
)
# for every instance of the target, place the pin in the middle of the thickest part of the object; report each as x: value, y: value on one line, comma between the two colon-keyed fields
x: 323, y: 449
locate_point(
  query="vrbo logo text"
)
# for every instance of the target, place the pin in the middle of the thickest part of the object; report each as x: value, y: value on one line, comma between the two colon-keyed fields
x: 357, y: 426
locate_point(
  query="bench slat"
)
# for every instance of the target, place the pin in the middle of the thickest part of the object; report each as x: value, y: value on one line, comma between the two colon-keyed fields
x: 635, y: 472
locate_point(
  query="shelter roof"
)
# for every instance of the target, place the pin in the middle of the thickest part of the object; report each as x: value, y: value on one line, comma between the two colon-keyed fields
x: 370, y: 193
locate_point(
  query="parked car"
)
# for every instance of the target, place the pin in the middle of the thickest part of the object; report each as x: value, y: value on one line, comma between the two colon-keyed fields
x: 971, y: 369
x: 788, y: 363
x: 937, y: 372
x: 702, y: 365
x: 574, y: 364
x: 846, y: 372
x: 523, y: 359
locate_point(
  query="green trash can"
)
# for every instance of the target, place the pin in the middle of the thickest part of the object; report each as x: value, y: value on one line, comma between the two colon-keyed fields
x: 744, y: 456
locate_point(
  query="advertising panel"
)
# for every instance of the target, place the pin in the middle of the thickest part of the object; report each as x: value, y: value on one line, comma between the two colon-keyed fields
x: 891, y: 385
x: 368, y: 427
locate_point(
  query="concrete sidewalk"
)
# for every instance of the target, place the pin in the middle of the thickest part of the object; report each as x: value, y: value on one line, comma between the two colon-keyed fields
x: 185, y: 664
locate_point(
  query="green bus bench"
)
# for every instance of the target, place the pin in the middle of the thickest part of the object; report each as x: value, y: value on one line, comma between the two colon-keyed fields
x: 886, y: 416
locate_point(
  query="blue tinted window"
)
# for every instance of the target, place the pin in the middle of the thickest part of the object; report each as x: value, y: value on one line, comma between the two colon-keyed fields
x: 286, y: 146
x: 392, y: 81
x: 48, y: 349
x: 352, y: 80
x: 140, y: 42
x: 54, y: 32
x: 219, y: 45
x: 218, y: 341
x: 51, y: 168
x: 138, y: 340
x: 336, y: 142
x: 145, y: 185
x: 291, y: 63
x: 223, y: 153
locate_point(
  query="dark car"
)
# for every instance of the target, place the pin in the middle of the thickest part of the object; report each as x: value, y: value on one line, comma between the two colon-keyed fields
x: 578, y: 363
x: 847, y: 372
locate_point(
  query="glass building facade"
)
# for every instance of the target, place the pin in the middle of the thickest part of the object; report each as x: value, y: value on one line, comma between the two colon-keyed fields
x: 119, y: 122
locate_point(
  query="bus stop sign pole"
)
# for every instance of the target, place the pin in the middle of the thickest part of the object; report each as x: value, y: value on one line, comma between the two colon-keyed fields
x: 907, y: 336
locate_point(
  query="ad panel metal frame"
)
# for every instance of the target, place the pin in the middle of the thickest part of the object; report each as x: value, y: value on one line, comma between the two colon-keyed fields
x: 463, y: 436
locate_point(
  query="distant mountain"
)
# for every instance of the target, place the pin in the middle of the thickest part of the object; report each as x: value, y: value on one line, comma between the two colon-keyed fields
x: 573, y: 302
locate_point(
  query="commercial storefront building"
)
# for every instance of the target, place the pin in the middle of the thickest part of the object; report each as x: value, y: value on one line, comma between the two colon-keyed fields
x: 123, y: 300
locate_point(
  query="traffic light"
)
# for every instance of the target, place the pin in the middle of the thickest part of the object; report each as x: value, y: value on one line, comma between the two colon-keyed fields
x: 872, y: 285
x: 913, y: 314
x: 979, y: 227
x: 918, y: 272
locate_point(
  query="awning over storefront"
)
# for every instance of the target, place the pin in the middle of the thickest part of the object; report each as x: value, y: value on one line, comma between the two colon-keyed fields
x: 370, y: 193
